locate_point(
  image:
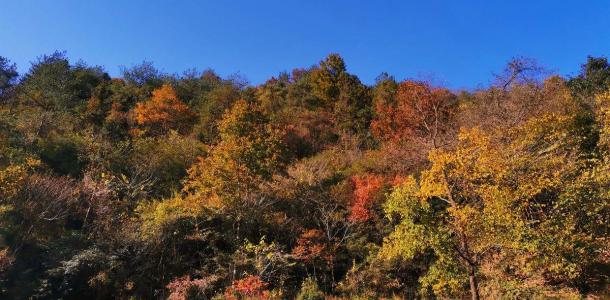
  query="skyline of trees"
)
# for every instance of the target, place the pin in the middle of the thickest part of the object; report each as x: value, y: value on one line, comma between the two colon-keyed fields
x: 310, y: 185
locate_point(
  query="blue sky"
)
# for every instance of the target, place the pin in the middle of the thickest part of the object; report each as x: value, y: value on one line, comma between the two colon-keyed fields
x: 458, y: 43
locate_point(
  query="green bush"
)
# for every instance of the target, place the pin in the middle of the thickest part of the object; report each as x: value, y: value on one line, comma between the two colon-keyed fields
x: 310, y: 290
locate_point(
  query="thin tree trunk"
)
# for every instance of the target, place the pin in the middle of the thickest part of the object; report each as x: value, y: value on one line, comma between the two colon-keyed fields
x: 332, y: 273
x: 474, y: 286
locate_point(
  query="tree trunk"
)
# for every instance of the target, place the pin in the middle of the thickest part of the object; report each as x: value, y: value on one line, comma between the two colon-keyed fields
x: 474, y: 286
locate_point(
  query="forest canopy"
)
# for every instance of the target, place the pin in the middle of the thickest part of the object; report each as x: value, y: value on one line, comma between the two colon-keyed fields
x: 311, y: 185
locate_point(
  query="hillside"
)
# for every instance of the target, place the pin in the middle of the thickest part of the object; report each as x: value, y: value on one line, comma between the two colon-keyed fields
x: 310, y: 185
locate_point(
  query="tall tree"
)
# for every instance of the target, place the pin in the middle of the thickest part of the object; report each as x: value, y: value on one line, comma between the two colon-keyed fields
x: 499, y: 204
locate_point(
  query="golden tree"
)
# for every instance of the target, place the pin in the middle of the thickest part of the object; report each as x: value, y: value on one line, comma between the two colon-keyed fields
x: 164, y: 112
x: 249, y: 153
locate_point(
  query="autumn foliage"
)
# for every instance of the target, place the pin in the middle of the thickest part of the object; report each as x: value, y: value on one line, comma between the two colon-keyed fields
x: 311, y: 246
x: 164, y: 111
x: 250, y: 287
x: 311, y: 185
x: 184, y: 288
x: 417, y: 111
x: 366, y: 193
x: 6, y: 260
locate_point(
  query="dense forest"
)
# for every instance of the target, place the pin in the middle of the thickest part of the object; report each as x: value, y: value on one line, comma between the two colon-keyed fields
x: 311, y: 185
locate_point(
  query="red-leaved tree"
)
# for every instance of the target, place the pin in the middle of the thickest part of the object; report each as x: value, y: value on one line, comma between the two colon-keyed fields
x: 366, y: 193
x: 417, y: 111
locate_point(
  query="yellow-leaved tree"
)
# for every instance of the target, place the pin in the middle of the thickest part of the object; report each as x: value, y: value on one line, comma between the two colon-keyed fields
x: 501, y: 215
x: 250, y: 151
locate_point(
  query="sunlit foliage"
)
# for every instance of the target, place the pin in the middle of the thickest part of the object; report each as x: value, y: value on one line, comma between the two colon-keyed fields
x: 311, y: 185
x: 164, y: 111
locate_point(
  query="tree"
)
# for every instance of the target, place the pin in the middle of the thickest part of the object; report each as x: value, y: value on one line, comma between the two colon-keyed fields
x: 266, y: 260
x: 326, y: 79
x: 366, y: 191
x: 249, y: 153
x: 594, y: 78
x: 519, y: 94
x: 311, y: 246
x: 184, y: 288
x: 417, y: 112
x: 8, y: 75
x: 144, y: 76
x: 211, y: 105
x: 109, y: 106
x: 52, y: 83
x: 250, y: 286
x: 310, y: 290
x: 165, y: 159
x: 164, y: 112
x: 273, y: 93
x: 489, y: 199
x: 440, y: 214
x: 343, y: 93
x: 518, y: 71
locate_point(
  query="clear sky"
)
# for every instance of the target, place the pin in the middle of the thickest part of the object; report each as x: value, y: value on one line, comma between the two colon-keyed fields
x: 459, y: 43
